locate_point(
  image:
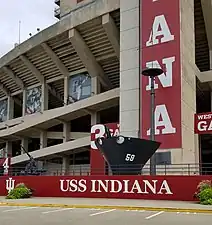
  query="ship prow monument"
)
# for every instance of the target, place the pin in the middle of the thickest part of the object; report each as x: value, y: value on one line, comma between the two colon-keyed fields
x: 126, y: 155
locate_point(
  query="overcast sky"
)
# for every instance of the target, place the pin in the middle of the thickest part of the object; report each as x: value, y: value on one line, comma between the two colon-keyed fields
x: 31, y: 13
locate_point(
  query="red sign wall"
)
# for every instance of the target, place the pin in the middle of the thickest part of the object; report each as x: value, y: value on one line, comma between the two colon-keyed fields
x: 203, y: 123
x: 123, y: 187
x: 97, y: 162
x: 160, y: 47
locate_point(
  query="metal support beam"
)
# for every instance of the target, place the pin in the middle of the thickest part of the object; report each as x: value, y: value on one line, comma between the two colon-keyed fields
x: 11, y: 74
x: 55, y: 59
x: 88, y: 59
x: 112, y: 33
x: 32, y: 68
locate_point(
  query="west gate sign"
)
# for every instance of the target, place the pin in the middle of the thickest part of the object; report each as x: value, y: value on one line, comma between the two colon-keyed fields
x: 160, y: 48
x: 203, y: 123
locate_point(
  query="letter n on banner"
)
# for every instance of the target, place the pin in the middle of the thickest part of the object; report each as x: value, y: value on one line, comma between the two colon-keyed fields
x: 97, y: 162
x: 160, y: 48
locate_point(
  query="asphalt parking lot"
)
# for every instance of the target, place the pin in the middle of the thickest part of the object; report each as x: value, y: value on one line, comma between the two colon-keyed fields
x: 63, y: 216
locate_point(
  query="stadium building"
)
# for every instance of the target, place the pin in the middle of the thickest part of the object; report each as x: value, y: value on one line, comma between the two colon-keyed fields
x: 87, y: 69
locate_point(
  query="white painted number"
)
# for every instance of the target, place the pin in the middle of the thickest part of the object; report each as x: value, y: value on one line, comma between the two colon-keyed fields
x: 130, y: 157
x: 6, y: 165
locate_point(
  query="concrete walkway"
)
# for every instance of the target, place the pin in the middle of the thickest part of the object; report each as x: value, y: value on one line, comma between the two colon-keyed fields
x: 151, y: 205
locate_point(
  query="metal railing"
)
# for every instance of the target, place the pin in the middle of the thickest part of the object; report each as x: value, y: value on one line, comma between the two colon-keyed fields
x: 84, y: 170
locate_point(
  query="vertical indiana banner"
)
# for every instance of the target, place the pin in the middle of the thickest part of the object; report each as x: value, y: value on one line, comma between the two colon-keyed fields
x: 160, y: 48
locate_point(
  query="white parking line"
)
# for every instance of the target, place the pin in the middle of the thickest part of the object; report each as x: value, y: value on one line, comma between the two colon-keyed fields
x: 19, y: 209
x: 154, y: 215
x: 95, y: 214
x: 57, y: 210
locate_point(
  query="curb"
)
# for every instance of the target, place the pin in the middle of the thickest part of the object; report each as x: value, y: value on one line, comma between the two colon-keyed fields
x: 208, y: 211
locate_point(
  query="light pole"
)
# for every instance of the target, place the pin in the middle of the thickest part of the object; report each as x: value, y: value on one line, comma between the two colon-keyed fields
x: 152, y: 73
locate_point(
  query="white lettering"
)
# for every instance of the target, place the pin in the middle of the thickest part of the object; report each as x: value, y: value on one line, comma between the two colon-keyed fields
x: 202, y: 126
x: 62, y: 185
x: 73, y: 185
x: 101, y: 132
x: 103, y: 185
x: 166, y: 79
x: 116, y: 186
x: 82, y: 186
x: 112, y: 186
x: 126, y: 186
x: 159, y: 28
x: 165, y: 189
x: 136, y: 186
x: 153, y: 187
x: 93, y: 185
x: 162, y: 120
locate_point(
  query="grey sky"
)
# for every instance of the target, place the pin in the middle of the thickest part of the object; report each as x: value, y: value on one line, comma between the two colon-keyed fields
x: 31, y: 13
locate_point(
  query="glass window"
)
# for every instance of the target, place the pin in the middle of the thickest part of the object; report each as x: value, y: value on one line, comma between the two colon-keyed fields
x: 80, y: 87
x: 33, y: 100
x: 3, y: 110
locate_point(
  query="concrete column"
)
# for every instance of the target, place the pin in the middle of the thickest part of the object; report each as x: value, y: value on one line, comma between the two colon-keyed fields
x: 66, y: 90
x: 65, y: 165
x: 129, y: 68
x: 95, y: 89
x: 66, y: 137
x: 95, y: 86
x: 210, y: 53
x: 10, y: 108
x: 24, y: 102
x: 44, y: 97
x: 24, y: 143
x: 43, y: 139
x: 8, y: 149
x: 66, y: 131
x: 189, y: 152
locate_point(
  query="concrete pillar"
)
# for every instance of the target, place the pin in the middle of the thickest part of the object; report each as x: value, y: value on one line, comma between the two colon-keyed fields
x: 65, y: 165
x: 66, y: 137
x: 189, y: 152
x: 43, y: 139
x: 66, y: 90
x: 8, y: 149
x: 129, y: 68
x: 66, y: 131
x: 24, y: 143
x: 210, y: 53
x: 95, y: 89
x: 44, y: 97
x: 10, y: 108
x: 24, y: 102
x: 95, y: 86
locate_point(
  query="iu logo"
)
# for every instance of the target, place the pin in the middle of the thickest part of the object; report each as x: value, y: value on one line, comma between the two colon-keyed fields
x: 10, y: 184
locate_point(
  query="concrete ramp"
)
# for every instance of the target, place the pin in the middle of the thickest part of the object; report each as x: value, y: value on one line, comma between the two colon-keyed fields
x: 56, y: 149
x: 57, y: 116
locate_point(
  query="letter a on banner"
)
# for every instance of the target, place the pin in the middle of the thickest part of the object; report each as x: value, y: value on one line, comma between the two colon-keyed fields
x: 162, y: 120
x: 159, y: 28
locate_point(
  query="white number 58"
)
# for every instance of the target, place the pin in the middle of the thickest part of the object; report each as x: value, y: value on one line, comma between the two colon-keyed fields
x: 130, y: 157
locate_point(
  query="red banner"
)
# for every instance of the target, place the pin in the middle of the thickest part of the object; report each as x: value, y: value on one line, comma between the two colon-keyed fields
x: 97, y: 162
x: 160, y: 48
x: 203, y: 123
x: 123, y: 187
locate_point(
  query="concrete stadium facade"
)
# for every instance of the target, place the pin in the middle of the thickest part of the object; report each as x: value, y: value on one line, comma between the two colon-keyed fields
x: 100, y: 41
